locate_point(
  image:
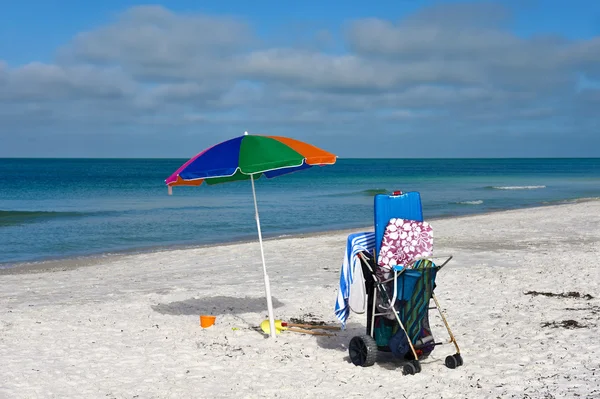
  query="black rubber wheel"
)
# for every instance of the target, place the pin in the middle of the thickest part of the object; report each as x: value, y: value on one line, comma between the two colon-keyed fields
x: 363, y: 350
x: 411, y: 368
x: 454, y: 361
x: 459, y: 358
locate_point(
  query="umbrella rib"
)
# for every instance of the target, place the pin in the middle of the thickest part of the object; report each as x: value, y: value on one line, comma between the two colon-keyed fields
x: 270, y: 169
x: 245, y: 173
x: 304, y: 161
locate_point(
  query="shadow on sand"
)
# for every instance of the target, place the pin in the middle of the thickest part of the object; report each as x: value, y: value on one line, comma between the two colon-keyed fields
x: 342, y: 338
x: 216, y: 305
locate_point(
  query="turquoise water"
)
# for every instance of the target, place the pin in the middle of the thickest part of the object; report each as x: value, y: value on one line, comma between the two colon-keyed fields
x: 55, y: 208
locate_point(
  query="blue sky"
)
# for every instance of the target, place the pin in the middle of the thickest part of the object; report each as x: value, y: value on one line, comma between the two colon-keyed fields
x: 361, y: 79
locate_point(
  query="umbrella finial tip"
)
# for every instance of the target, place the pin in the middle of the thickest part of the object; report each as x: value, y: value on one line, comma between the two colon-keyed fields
x: 245, y: 133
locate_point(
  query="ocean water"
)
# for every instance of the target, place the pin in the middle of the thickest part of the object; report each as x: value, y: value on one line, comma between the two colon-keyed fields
x: 59, y: 208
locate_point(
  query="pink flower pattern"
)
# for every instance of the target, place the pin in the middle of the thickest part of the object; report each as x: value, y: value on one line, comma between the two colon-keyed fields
x: 403, y: 242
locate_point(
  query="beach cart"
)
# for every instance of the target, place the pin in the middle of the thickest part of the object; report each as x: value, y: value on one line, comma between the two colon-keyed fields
x: 396, y: 267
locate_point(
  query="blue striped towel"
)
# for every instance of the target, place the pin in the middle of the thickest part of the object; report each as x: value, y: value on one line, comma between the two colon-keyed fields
x: 356, y: 243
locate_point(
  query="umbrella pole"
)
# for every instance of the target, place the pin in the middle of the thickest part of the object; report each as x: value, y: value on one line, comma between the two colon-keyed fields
x: 262, y: 254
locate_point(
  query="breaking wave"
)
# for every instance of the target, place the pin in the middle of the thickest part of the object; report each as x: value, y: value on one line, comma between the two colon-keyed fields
x: 515, y: 187
x: 477, y: 202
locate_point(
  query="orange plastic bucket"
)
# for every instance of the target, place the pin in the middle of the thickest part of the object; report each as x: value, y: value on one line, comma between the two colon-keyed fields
x: 207, y: 321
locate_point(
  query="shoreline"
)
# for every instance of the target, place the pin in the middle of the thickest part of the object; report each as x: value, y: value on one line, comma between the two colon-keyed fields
x: 70, y: 263
x: 75, y: 262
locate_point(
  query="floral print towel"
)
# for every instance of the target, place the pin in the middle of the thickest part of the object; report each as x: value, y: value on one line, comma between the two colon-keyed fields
x: 403, y: 242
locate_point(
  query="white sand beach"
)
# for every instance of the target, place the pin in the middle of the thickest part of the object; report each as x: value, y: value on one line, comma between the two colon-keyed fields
x: 128, y: 326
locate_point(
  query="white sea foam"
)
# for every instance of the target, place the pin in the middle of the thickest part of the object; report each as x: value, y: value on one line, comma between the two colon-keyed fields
x: 477, y: 202
x: 517, y: 187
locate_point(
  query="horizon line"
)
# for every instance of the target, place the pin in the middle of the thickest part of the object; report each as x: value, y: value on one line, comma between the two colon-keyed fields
x: 339, y: 158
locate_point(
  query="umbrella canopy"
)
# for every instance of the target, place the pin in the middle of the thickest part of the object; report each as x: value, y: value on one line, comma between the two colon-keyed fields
x: 249, y: 157
x: 246, y: 156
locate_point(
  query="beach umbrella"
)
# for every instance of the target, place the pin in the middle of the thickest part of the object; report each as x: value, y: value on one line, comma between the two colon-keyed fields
x: 249, y: 157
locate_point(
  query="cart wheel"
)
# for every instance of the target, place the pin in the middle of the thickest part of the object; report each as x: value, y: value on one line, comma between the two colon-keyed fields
x: 459, y: 358
x: 411, y: 368
x: 454, y: 361
x: 363, y: 350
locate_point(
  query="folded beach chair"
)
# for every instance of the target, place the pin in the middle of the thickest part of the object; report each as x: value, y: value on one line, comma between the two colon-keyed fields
x: 400, y: 280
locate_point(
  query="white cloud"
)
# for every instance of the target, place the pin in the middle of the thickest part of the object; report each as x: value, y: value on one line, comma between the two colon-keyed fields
x: 154, y: 43
x: 41, y: 82
x: 450, y: 69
